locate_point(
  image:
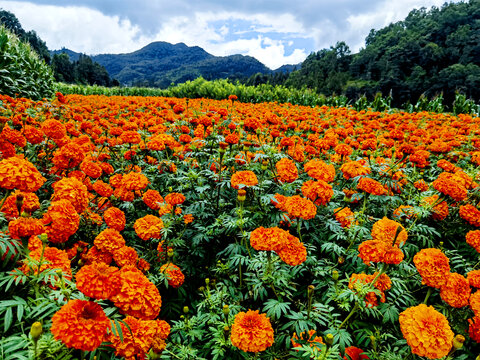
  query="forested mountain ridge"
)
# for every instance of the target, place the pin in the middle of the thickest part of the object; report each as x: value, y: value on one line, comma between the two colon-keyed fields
x: 429, y: 53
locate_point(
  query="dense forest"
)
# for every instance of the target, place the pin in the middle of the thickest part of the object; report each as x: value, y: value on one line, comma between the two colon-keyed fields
x: 82, y: 71
x: 430, y: 53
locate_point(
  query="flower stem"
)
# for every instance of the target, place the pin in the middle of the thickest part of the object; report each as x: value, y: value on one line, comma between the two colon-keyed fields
x: 355, y: 308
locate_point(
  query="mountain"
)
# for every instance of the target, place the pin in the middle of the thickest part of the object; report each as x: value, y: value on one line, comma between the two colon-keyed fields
x: 160, y: 63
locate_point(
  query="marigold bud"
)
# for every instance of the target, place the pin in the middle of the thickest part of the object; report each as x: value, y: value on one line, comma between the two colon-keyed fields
x: 341, y: 260
x: 186, y: 309
x: 335, y: 275
x: 170, y: 253
x: 226, y: 309
x: 329, y: 339
x: 36, y: 330
x: 207, y: 281
x: 458, y: 341
x: 44, y: 237
x: 242, y: 195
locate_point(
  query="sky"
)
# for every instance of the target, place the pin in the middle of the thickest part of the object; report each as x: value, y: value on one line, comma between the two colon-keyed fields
x: 276, y: 32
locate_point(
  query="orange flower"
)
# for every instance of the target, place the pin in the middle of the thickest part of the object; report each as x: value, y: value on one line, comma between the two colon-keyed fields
x: 53, y: 258
x: 109, y: 240
x: 353, y: 169
x: 448, y: 185
x: 54, y: 129
x: 139, y: 337
x: 134, y: 181
x: 148, y: 227
x: 421, y: 185
x: 287, y: 171
x: 251, y: 331
x: 72, y: 190
x: 404, y: 212
x: 473, y: 278
x: 268, y: 239
x: 371, y: 186
x: 372, y: 250
x: 433, y: 266
x: 470, y: 214
x: 473, y: 239
x: 30, y: 203
x: 80, y: 324
x: 474, y: 303
x: 320, y: 192
x: 97, y: 280
x: 25, y: 227
x: 61, y: 221
x: 241, y: 179
x: 188, y: 218
x: 474, y: 329
x: 311, y: 338
x: 175, y: 199
x: 456, y: 290
x: 102, y: 188
x: 440, y: 210
x: 354, y: 353
x: 293, y: 252
x: 358, y: 281
x: 320, y: 170
x: 345, y: 217
x: 390, y: 232
x: 126, y: 255
x: 427, y: 331
x: 136, y: 295
x: 299, y: 207
x: 94, y: 255
x: 174, y: 274
x: 152, y: 199
x: 16, y: 173
x: 115, y: 218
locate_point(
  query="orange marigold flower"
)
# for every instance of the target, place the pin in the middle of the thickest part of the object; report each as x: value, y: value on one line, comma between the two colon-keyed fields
x: 474, y: 329
x: 404, y: 212
x: 54, y: 129
x: 456, y: 290
x: 109, y: 240
x: 320, y: 192
x: 175, y: 199
x: 115, y: 218
x: 357, y: 281
x: 29, y: 200
x: 421, y: 185
x: 33, y: 135
x: 447, y: 185
x: 319, y: 170
x: 152, y: 199
x: 345, y: 217
x: 446, y: 165
x: 440, y: 210
x: 473, y: 278
x: 372, y: 250
x: 355, y: 353
x: 393, y: 255
x: 268, y: 239
x: 137, y: 296
x: 470, y: 214
x: 139, y: 337
x: 427, y: 331
x: 91, y: 169
x: 148, y: 227
x: 21, y: 174
x: 188, y: 218
x: 299, y: 207
x: 433, y: 266
x: 174, y: 274
x: 279, y: 202
x: 125, y: 256
x: 293, y: 252
x: 353, y: 169
x: 94, y: 255
x: 134, y: 181
x: 311, y: 338
x: 102, y: 188
x: 53, y: 258
x: 97, y: 280
x: 287, y: 171
x: 61, y: 221
x: 390, y: 232
x: 80, y: 324
x: 241, y: 179
x: 72, y: 190
x: 25, y: 227
x: 474, y: 303
x: 68, y: 156
x: 473, y: 239
x: 251, y: 331
x: 371, y: 186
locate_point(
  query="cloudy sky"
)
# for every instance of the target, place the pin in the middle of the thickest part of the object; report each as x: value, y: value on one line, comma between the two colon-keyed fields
x: 276, y: 32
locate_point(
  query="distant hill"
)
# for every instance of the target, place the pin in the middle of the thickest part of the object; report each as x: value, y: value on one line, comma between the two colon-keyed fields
x: 160, y: 63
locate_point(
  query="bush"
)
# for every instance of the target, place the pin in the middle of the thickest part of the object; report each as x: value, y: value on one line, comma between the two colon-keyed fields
x: 22, y: 73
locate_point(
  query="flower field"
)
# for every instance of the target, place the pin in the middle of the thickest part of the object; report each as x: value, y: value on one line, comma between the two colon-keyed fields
x: 167, y: 228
